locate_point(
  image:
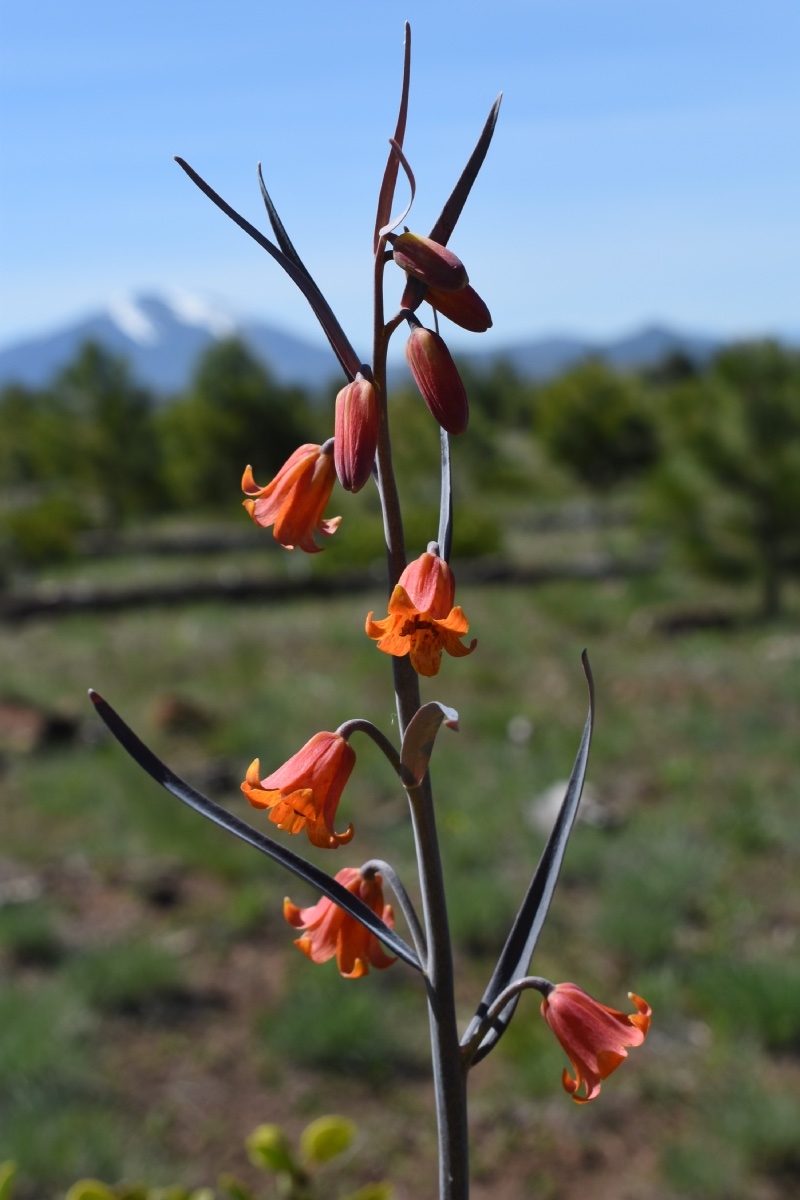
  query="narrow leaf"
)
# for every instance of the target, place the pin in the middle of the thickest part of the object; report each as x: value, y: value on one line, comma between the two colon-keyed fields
x: 349, y: 360
x: 307, y: 871
x: 281, y: 236
x: 412, y: 184
x: 386, y: 196
x: 446, y: 221
x: 445, y: 537
x: 419, y: 738
x: 521, y: 943
x: 287, y: 247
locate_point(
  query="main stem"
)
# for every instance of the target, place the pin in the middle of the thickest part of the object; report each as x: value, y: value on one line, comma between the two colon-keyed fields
x: 449, y: 1076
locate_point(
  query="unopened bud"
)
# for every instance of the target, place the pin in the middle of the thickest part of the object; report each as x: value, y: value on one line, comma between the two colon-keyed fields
x: 427, y: 260
x: 464, y: 308
x: 438, y: 380
x: 355, y: 433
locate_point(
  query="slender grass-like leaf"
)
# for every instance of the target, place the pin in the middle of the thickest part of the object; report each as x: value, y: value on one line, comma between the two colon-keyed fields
x: 521, y: 942
x: 446, y: 221
x: 304, y: 870
x: 287, y: 247
x: 281, y: 236
x: 389, y: 182
x: 412, y: 184
x: 350, y: 362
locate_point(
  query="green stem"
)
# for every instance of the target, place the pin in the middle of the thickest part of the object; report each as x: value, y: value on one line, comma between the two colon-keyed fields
x: 449, y: 1076
x: 519, y: 985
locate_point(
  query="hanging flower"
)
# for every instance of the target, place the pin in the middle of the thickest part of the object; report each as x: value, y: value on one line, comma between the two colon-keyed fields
x: 422, y: 621
x: 437, y: 378
x: 305, y: 792
x: 295, y: 499
x: 594, y: 1037
x: 330, y: 930
x: 356, y: 433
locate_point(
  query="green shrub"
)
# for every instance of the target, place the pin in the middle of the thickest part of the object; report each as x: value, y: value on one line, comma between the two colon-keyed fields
x: 598, y: 424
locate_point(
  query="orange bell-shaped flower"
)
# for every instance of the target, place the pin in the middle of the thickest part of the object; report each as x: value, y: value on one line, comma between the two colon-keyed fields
x: 594, y: 1037
x: 305, y: 792
x: 329, y: 930
x: 293, y: 502
x: 422, y: 621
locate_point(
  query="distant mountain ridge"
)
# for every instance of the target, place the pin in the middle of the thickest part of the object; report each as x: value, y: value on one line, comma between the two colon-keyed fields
x: 163, y: 336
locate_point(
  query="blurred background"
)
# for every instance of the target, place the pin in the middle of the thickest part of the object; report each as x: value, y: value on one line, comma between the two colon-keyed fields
x: 630, y: 482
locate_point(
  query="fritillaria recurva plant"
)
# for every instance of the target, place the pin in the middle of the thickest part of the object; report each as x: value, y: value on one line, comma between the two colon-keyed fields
x: 352, y: 921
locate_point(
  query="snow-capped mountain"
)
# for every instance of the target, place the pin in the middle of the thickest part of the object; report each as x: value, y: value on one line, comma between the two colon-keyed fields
x: 162, y: 338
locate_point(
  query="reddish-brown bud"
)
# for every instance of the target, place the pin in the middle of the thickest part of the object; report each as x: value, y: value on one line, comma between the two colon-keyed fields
x: 355, y: 433
x: 464, y: 308
x: 438, y: 380
x: 427, y: 260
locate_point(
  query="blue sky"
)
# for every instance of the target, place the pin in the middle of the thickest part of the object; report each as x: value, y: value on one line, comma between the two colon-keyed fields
x: 646, y: 164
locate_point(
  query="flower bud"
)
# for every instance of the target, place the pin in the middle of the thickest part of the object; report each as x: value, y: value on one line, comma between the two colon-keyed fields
x: 464, y: 308
x: 355, y: 433
x: 438, y: 380
x: 427, y: 260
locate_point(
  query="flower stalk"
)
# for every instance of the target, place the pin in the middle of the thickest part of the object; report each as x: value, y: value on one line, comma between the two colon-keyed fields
x: 351, y: 922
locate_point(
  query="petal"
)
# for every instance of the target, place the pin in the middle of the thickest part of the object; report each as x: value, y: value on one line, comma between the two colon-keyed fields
x: 429, y: 584
x: 455, y: 621
x: 252, y: 778
x: 352, y: 949
x: 319, y: 835
x: 308, y: 764
x: 641, y: 1019
x: 401, y: 604
x: 389, y: 635
x: 426, y: 652
x: 298, y: 917
x: 609, y: 1060
x: 454, y: 646
x: 589, y: 1082
x: 288, y: 818
x: 318, y: 950
x: 249, y: 485
x: 378, y: 956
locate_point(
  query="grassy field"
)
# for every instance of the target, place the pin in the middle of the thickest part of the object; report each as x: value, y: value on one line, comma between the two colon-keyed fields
x: 152, y: 1006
